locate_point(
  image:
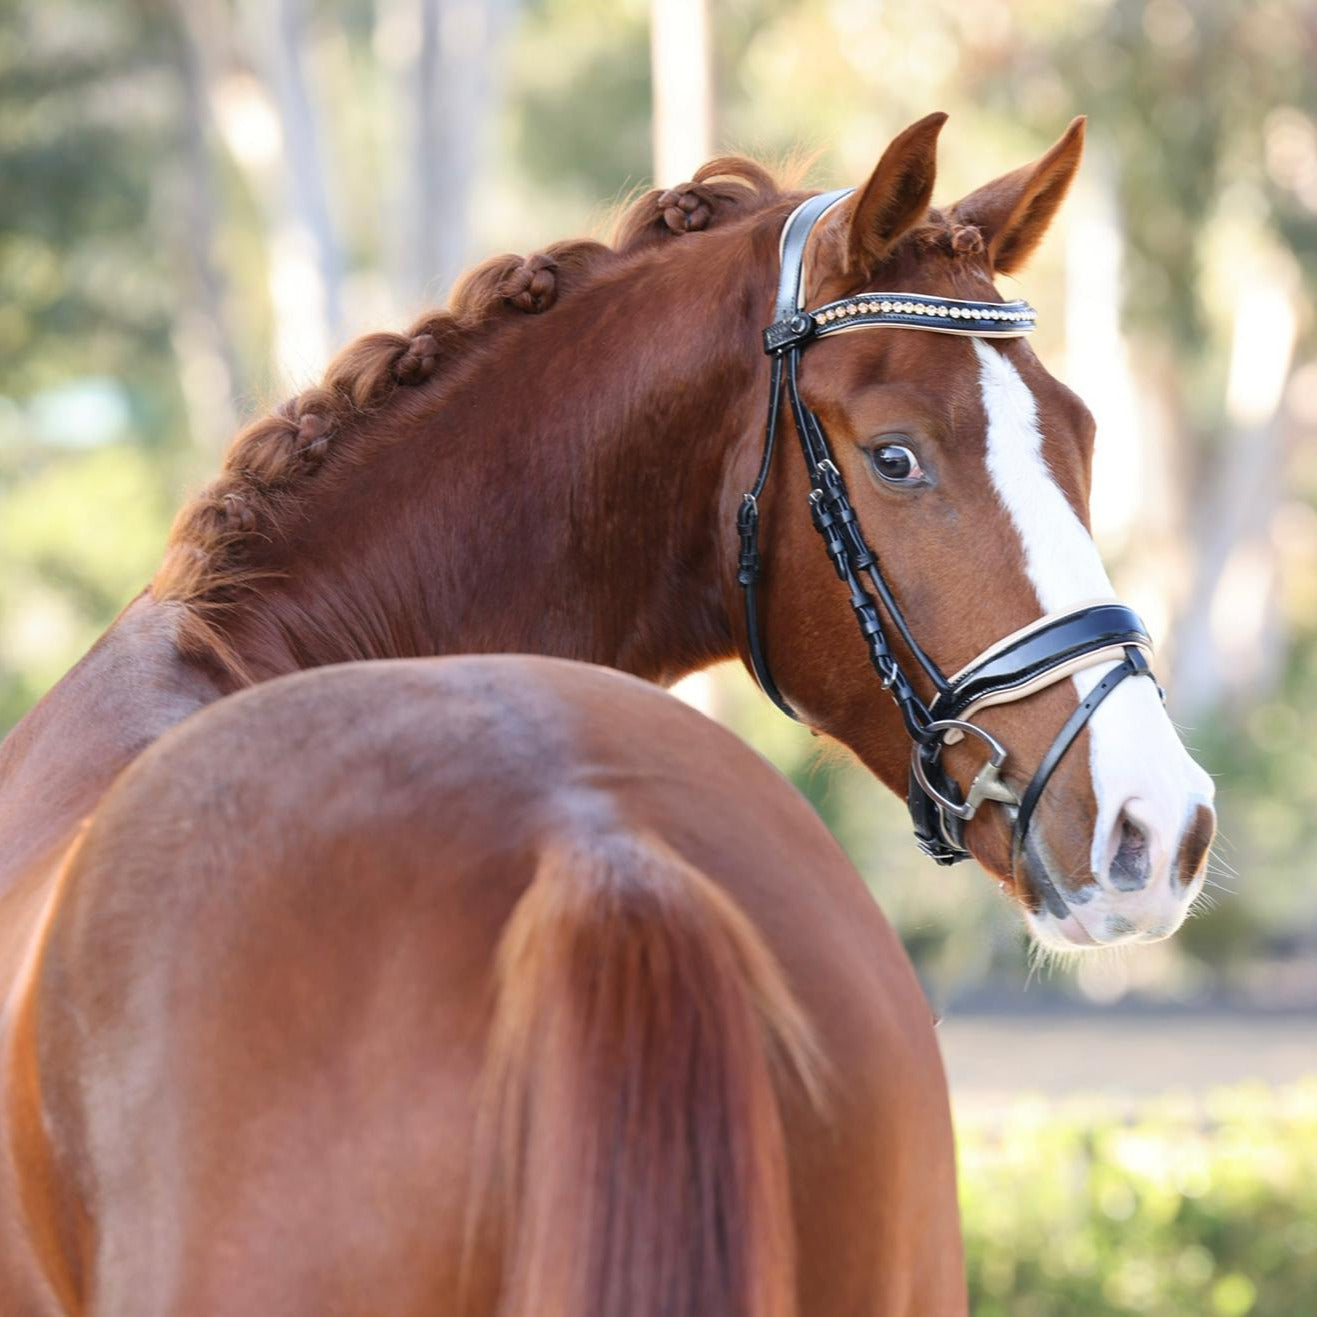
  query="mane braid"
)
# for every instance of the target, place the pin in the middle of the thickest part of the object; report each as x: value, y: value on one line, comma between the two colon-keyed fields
x: 270, y: 471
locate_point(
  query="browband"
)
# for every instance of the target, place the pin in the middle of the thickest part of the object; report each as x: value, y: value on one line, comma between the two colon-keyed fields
x: 792, y: 326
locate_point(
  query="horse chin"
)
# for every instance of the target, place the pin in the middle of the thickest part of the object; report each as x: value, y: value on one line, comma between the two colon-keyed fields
x: 1048, y: 915
x: 1059, y: 934
x: 1061, y: 918
x: 1069, y: 933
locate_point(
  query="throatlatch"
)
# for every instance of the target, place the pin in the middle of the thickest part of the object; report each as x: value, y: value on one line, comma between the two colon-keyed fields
x: 1041, y: 654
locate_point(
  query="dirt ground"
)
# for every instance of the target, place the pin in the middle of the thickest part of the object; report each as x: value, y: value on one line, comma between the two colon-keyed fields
x: 1122, y: 1054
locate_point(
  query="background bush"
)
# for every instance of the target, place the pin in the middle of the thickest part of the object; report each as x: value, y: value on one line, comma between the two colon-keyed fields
x: 1183, y: 1208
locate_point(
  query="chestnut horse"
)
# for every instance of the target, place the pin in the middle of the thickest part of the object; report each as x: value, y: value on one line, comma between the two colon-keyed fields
x: 555, y: 465
x: 301, y: 926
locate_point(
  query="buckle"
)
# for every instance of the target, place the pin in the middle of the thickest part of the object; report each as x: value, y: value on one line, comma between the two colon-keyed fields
x: 939, y: 852
x: 783, y: 335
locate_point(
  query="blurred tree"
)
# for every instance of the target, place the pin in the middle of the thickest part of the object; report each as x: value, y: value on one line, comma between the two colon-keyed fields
x: 681, y: 76
x: 456, y: 78
x: 199, y: 197
x: 85, y: 120
x: 580, y: 115
x: 1203, y: 116
x: 1209, y: 111
x: 92, y: 407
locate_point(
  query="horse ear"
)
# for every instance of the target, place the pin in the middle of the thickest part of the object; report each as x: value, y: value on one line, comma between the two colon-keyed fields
x: 896, y: 195
x: 1013, y: 211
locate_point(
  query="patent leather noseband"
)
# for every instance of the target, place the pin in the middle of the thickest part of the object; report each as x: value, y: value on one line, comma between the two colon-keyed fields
x: 1041, y: 654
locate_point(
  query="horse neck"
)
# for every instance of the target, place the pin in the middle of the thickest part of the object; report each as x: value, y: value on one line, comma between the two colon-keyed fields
x: 568, y: 491
x: 58, y: 761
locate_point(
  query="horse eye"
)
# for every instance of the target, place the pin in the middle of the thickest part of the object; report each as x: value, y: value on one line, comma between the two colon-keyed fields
x: 896, y: 464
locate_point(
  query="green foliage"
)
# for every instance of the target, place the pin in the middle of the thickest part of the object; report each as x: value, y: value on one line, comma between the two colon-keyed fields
x: 81, y: 534
x: 1208, y: 111
x: 1177, y: 1210
x: 596, y: 139
x: 91, y: 414
x: 85, y: 119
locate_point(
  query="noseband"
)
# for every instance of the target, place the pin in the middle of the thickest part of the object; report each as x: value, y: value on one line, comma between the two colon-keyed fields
x: 1045, y: 652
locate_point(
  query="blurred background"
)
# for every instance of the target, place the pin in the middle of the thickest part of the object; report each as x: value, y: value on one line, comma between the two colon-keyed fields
x: 200, y: 200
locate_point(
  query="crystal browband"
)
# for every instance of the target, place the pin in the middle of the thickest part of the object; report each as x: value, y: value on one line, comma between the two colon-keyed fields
x: 940, y: 315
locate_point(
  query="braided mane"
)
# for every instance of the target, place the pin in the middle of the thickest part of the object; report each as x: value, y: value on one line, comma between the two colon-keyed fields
x: 270, y: 470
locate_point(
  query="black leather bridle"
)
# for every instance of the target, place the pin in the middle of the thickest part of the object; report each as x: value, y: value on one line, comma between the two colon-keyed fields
x: 1045, y: 652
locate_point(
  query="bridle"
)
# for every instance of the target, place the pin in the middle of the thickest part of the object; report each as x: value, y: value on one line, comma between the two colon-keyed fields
x: 1045, y: 652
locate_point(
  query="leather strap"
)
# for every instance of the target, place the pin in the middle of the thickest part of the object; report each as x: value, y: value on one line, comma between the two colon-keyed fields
x: 941, y: 836
x: 1053, y: 643
x: 748, y: 562
x: 790, y: 292
x: 791, y: 250
x: 759, y: 660
x: 1134, y: 665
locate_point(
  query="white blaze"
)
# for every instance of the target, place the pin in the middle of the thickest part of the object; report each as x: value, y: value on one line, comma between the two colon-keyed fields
x: 1134, y: 752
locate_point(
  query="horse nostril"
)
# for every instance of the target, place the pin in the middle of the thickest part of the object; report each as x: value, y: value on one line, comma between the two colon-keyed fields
x: 1195, y: 843
x: 1131, y: 865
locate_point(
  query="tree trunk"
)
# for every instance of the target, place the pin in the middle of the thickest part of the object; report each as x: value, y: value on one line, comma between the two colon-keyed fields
x: 210, y: 368
x: 681, y: 64
x: 448, y: 55
x: 305, y: 265
x: 1229, y: 638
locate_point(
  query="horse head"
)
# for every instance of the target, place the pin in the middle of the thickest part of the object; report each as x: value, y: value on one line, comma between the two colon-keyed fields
x: 948, y: 474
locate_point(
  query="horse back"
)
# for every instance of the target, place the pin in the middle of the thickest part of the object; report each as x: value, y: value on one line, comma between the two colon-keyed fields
x: 266, y: 997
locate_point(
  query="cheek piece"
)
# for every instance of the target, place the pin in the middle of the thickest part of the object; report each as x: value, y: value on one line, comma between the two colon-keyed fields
x: 1045, y: 652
